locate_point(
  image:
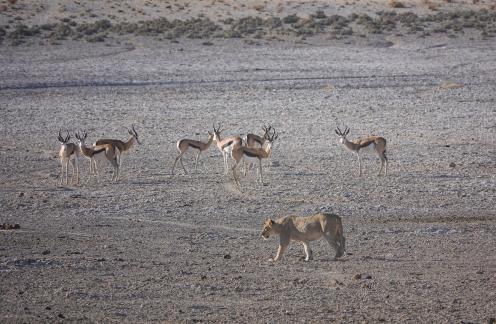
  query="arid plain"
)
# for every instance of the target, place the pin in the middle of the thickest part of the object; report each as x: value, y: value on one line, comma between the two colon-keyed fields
x: 187, y: 248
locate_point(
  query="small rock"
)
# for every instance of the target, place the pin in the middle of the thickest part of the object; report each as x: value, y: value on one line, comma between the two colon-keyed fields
x: 61, y: 315
x: 275, y: 163
x: 8, y: 226
x: 227, y: 256
x: 45, y: 252
x: 362, y: 276
x: 452, y: 165
x: 21, y: 194
x: 480, y: 272
x: 48, y: 308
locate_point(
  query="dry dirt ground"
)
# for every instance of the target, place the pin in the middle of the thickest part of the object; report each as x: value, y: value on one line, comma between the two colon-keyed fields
x: 187, y: 248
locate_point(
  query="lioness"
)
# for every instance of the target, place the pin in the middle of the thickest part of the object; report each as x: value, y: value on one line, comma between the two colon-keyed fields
x: 304, y: 230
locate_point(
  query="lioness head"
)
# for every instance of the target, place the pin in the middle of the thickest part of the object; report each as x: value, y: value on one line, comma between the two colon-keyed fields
x: 267, y: 228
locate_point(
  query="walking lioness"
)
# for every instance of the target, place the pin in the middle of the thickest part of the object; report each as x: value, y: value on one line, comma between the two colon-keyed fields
x: 304, y: 230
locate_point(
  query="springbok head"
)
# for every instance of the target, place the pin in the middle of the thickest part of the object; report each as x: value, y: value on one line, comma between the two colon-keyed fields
x: 341, y: 134
x: 81, y: 138
x: 63, y: 140
x: 217, y: 132
x: 134, y: 134
x: 266, y: 130
x: 271, y: 138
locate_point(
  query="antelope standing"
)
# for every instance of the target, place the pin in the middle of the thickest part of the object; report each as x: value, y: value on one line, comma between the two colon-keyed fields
x: 252, y: 140
x: 377, y: 143
x: 225, y: 145
x: 119, y: 145
x: 111, y: 155
x: 240, y: 152
x: 89, y: 153
x: 184, y: 144
x: 68, y: 152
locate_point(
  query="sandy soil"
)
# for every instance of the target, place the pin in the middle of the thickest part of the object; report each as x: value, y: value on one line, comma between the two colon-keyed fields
x: 187, y: 248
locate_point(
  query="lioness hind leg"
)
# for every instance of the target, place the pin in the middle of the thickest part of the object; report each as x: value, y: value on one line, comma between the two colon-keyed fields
x: 332, y: 242
x: 308, y: 251
x: 342, y: 246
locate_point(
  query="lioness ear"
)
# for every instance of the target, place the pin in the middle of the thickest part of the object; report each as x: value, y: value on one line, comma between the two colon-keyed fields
x: 271, y: 221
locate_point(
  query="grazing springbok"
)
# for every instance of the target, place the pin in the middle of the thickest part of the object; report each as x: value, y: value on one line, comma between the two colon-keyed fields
x: 377, y: 143
x: 225, y: 145
x: 68, y: 152
x: 184, y: 144
x: 240, y: 152
x: 119, y: 145
x: 89, y: 153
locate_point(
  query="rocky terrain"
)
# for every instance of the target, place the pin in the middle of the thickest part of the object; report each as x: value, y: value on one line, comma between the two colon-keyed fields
x: 187, y: 247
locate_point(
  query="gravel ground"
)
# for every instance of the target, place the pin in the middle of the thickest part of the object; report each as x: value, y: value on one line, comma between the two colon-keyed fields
x: 187, y: 248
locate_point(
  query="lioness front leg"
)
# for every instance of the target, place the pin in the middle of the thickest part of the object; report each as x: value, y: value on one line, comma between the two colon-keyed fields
x: 280, y: 252
x: 308, y: 251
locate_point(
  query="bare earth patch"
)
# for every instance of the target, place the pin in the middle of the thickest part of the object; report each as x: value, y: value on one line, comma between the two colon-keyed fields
x: 187, y: 248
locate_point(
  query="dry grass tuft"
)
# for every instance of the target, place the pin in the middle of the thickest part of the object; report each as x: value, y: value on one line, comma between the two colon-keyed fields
x: 259, y: 7
x: 396, y: 4
x: 431, y: 5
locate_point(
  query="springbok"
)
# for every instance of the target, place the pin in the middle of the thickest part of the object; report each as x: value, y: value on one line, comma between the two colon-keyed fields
x: 89, y: 153
x: 377, y: 143
x: 240, y: 152
x: 184, y: 144
x: 252, y: 139
x: 119, y: 145
x: 225, y: 145
x: 68, y: 152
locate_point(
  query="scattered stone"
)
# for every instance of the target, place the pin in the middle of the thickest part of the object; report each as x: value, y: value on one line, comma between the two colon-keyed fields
x: 359, y: 276
x: 227, y: 256
x: 61, y: 315
x: 48, y: 308
x: 46, y: 252
x: 452, y: 165
x: 8, y: 226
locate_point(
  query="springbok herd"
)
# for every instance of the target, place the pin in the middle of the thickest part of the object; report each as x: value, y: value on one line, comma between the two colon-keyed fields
x: 249, y: 150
